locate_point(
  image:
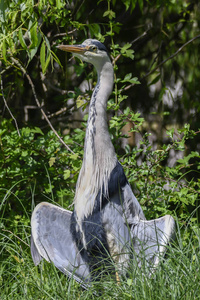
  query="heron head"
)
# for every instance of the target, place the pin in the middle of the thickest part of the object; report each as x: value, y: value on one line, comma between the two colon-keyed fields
x: 91, y: 51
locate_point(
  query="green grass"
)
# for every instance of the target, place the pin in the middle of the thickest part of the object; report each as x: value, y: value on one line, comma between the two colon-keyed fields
x: 177, y: 276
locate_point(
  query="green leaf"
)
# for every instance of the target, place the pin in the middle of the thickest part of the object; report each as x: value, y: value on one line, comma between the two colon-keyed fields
x: 41, y: 4
x: 66, y: 174
x: 43, y: 60
x: 128, y: 78
x: 52, y: 161
x: 47, y: 61
x: 80, y: 102
x: 34, y: 36
x: 24, y: 153
x: 162, y: 92
x: 37, y: 130
x: 140, y: 2
x: 32, y: 53
x: 21, y: 39
x: 74, y: 156
x: 110, y: 14
x: 130, y: 4
x: 170, y: 133
x: 129, y: 281
x: 156, y: 79
x: 125, y: 47
x: 94, y: 29
x: 125, y: 51
x: 186, y: 159
x: 4, y: 50
x: 59, y: 4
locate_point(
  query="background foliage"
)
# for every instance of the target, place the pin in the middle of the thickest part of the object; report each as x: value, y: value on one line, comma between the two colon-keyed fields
x: 153, y: 111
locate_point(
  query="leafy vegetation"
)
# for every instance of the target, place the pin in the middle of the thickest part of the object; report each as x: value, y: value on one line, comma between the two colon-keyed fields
x: 153, y: 119
x: 177, y: 277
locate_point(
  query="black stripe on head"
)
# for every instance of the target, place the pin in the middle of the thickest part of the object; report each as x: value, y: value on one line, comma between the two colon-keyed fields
x: 99, y: 45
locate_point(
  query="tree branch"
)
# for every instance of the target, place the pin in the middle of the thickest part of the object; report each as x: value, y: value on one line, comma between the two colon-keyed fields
x: 6, y: 105
x: 5, y: 230
x: 38, y: 103
x: 163, y: 62
x: 134, y: 41
x: 170, y: 57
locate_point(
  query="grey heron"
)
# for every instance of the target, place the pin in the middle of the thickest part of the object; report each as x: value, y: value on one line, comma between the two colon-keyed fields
x: 107, y: 219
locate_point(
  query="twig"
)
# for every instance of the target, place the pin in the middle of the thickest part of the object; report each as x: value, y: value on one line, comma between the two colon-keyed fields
x: 134, y: 41
x: 139, y: 37
x: 181, y: 184
x: 5, y: 69
x: 171, y: 56
x: 64, y: 33
x: 38, y: 103
x: 57, y: 113
x: 62, y: 92
x: 116, y: 59
x: 9, y: 108
x: 163, y: 62
x: 62, y: 110
x: 131, y: 121
x: 26, y: 108
x: 5, y: 230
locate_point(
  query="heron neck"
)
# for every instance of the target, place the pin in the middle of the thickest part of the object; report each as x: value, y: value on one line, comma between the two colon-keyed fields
x: 99, y: 154
x: 97, y: 134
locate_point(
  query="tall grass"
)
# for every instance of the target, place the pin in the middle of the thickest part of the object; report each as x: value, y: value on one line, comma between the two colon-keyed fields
x: 176, y: 277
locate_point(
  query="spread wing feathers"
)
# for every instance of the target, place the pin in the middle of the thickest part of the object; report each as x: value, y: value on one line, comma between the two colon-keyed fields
x: 150, y: 239
x: 132, y: 209
x: 117, y: 234
x: 51, y: 239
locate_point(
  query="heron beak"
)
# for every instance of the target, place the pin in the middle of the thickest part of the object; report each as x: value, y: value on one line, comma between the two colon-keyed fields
x: 79, y: 49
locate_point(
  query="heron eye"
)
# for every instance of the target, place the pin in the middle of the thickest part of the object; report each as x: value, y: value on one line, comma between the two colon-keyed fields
x: 93, y: 48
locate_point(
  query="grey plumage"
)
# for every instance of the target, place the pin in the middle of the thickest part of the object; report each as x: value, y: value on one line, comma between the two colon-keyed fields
x: 107, y: 218
x: 51, y: 239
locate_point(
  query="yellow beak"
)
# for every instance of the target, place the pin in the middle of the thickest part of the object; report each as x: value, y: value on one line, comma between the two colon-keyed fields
x: 73, y: 48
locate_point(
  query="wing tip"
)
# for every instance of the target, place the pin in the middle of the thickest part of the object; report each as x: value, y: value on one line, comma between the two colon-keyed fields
x: 170, y: 227
x: 34, y: 253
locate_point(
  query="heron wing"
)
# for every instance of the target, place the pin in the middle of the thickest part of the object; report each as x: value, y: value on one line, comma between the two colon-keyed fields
x: 150, y: 239
x: 118, y: 183
x: 132, y: 209
x: 51, y: 239
x: 117, y: 233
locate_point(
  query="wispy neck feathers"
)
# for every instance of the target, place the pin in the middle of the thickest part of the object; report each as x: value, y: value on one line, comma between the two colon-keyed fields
x: 99, y: 154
